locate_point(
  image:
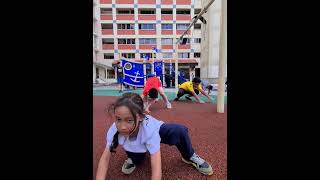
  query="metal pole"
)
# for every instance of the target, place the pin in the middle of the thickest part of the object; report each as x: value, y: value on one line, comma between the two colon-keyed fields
x: 152, y: 63
x: 170, y: 69
x: 176, y: 65
x: 222, y: 57
x: 163, y: 76
x: 145, y: 72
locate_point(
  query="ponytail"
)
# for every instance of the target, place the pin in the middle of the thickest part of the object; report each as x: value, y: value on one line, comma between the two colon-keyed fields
x: 114, y: 143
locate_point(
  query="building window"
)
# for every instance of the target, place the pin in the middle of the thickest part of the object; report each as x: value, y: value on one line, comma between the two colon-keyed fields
x: 129, y: 55
x: 107, y: 41
x: 167, y: 55
x: 197, y: 40
x: 111, y: 74
x: 126, y: 41
x: 183, y: 11
x: 108, y: 56
x: 106, y: 26
x: 125, y: 26
x: 182, y: 26
x: 166, y: 41
x: 147, y: 41
x: 197, y: 26
x: 150, y: 55
x: 184, y: 55
x: 106, y: 11
x: 184, y: 41
x: 166, y: 11
x: 147, y: 26
x: 166, y: 26
x: 125, y: 11
x: 197, y: 55
x: 147, y: 12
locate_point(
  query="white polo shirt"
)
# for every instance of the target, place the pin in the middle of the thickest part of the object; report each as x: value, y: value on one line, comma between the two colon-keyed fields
x: 148, y: 138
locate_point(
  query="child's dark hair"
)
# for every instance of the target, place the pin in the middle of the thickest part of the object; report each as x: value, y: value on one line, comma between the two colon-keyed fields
x: 134, y: 103
x: 196, y: 80
x: 153, y: 93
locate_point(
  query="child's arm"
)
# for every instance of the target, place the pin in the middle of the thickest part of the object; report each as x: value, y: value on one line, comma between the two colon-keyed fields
x: 156, y: 166
x: 145, y: 101
x: 144, y: 98
x: 103, y: 165
x: 149, y: 103
x: 204, y: 93
x: 196, y: 96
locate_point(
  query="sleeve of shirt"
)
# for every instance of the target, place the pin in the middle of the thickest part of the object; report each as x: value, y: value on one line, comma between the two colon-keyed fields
x: 153, y: 144
x: 111, y: 132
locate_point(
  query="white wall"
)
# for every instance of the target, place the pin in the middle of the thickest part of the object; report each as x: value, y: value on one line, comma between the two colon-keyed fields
x: 102, y: 74
x: 94, y: 73
x: 197, y: 3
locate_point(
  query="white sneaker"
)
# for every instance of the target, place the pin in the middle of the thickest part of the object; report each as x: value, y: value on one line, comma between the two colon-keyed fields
x: 200, y: 164
x: 128, y: 167
x: 169, y: 105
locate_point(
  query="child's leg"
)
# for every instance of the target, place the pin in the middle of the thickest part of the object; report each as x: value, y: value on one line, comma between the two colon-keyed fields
x: 197, y: 91
x: 149, y: 103
x: 181, y: 92
x: 120, y: 81
x: 163, y: 95
x: 137, y: 158
x: 144, y: 98
x: 175, y: 134
x: 190, y: 94
x: 209, y: 91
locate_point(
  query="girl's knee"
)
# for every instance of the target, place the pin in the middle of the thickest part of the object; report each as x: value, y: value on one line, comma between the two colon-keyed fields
x: 181, y: 129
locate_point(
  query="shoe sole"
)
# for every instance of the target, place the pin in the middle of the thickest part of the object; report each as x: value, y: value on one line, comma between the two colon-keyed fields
x: 128, y: 171
x: 194, y: 165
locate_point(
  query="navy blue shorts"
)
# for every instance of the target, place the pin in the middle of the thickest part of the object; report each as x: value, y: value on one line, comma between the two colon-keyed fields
x: 120, y: 80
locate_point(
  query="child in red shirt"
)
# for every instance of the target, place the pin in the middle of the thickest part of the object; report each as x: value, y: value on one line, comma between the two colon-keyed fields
x: 151, y: 89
